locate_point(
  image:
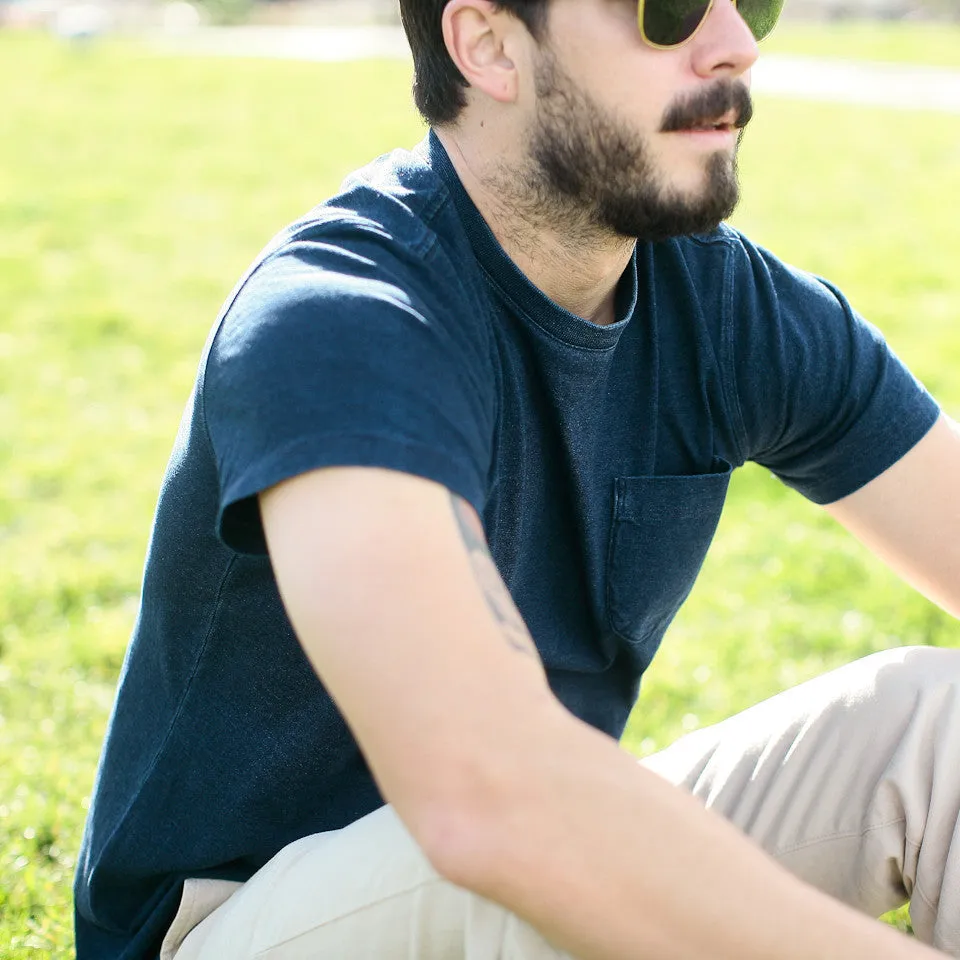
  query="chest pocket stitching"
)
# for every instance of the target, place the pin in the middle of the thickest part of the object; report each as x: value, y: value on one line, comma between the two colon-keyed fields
x: 635, y: 616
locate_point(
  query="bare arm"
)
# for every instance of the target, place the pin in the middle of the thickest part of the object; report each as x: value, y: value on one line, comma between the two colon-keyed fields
x: 399, y: 607
x: 910, y: 515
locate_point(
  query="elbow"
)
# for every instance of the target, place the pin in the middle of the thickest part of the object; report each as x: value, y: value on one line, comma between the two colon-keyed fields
x: 468, y: 828
x: 461, y: 841
x: 479, y: 811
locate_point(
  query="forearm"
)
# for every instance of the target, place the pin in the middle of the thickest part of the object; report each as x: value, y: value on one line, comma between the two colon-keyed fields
x: 610, y: 862
x: 506, y: 792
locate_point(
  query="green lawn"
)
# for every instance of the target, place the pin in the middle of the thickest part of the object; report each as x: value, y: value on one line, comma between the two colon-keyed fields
x: 135, y: 189
x: 930, y: 44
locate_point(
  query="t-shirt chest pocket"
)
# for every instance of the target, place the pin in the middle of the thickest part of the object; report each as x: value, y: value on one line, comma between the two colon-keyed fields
x: 662, y: 527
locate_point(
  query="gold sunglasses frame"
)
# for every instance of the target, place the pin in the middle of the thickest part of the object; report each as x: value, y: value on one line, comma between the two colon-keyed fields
x: 642, y: 6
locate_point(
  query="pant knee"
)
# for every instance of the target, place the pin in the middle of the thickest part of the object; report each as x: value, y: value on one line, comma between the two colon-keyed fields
x: 908, y: 672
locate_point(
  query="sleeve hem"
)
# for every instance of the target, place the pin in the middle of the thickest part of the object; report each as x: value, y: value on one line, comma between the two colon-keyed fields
x: 856, y: 476
x: 238, y: 521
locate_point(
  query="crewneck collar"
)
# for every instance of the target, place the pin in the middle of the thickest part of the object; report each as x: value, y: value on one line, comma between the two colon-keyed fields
x: 514, y: 284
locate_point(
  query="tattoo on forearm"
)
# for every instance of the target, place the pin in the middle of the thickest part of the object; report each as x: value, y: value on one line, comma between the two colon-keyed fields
x: 488, y: 577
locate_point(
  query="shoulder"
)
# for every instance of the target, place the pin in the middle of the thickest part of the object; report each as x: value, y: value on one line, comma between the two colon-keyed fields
x: 751, y: 281
x: 379, y: 248
x: 741, y: 257
x: 387, y: 220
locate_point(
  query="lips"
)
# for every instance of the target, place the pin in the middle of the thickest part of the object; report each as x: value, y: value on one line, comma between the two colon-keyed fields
x: 729, y: 121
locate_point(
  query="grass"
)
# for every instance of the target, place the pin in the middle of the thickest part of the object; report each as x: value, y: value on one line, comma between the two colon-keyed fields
x: 133, y: 192
x: 926, y: 43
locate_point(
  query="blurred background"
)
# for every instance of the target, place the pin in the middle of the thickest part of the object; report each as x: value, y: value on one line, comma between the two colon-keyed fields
x: 99, y: 15
x: 149, y: 150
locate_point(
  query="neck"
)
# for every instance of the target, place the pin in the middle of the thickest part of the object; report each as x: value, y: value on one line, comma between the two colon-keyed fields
x: 576, y: 265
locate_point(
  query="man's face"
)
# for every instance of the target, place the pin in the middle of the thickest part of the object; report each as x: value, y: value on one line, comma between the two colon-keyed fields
x: 631, y: 140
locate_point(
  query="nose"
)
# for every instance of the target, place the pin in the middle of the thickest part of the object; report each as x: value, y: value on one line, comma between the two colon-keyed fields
x: 724, y: 45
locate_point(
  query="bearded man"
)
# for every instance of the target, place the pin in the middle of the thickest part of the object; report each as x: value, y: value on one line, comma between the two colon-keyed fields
x: 459, y: 443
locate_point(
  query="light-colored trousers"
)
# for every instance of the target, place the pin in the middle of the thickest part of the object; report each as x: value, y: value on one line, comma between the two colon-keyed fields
x: 851, y: 781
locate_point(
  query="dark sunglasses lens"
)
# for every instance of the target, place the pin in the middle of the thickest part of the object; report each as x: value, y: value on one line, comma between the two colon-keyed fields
x: 668, y: 22
x: 760, y: 15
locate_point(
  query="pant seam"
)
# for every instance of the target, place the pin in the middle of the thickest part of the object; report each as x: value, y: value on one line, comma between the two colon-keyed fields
x: 846, y: 835
x: 266, y: 951
x: 917, y: 891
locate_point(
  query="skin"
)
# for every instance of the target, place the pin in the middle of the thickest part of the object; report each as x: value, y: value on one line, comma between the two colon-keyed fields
x: 510, y: 796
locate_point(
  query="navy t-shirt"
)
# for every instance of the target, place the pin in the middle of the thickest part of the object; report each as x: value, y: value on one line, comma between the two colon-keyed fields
x: 388, y: 328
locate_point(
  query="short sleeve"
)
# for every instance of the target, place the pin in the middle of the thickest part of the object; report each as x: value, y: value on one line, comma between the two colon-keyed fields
x: 343, y: 350
x: 825, y: 403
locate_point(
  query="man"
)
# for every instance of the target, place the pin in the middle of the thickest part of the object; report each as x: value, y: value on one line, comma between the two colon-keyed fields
x: 478, y: 437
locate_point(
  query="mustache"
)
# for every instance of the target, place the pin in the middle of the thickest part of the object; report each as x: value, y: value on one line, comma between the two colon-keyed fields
x: 710, y: 106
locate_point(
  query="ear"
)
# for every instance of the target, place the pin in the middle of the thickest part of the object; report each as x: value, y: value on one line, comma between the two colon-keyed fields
x: 480, y: 39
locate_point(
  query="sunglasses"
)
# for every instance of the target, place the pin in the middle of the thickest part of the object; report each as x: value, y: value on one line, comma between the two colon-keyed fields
x: 671, y: 23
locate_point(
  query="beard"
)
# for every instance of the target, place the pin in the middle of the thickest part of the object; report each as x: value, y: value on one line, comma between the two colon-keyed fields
x: 588, y: 174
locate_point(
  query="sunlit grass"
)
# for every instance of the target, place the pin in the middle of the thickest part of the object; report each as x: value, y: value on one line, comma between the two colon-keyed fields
x: 135, y: 189
x: 919, y: 42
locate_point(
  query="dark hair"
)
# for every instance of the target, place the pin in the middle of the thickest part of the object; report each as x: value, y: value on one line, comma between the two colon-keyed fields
x: 438, y: 86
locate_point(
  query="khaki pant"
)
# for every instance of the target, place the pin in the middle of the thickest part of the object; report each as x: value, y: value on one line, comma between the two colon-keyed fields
x: 852, y: 781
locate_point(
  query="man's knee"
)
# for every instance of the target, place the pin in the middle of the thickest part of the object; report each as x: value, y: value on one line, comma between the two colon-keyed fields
x: 906, y: 674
